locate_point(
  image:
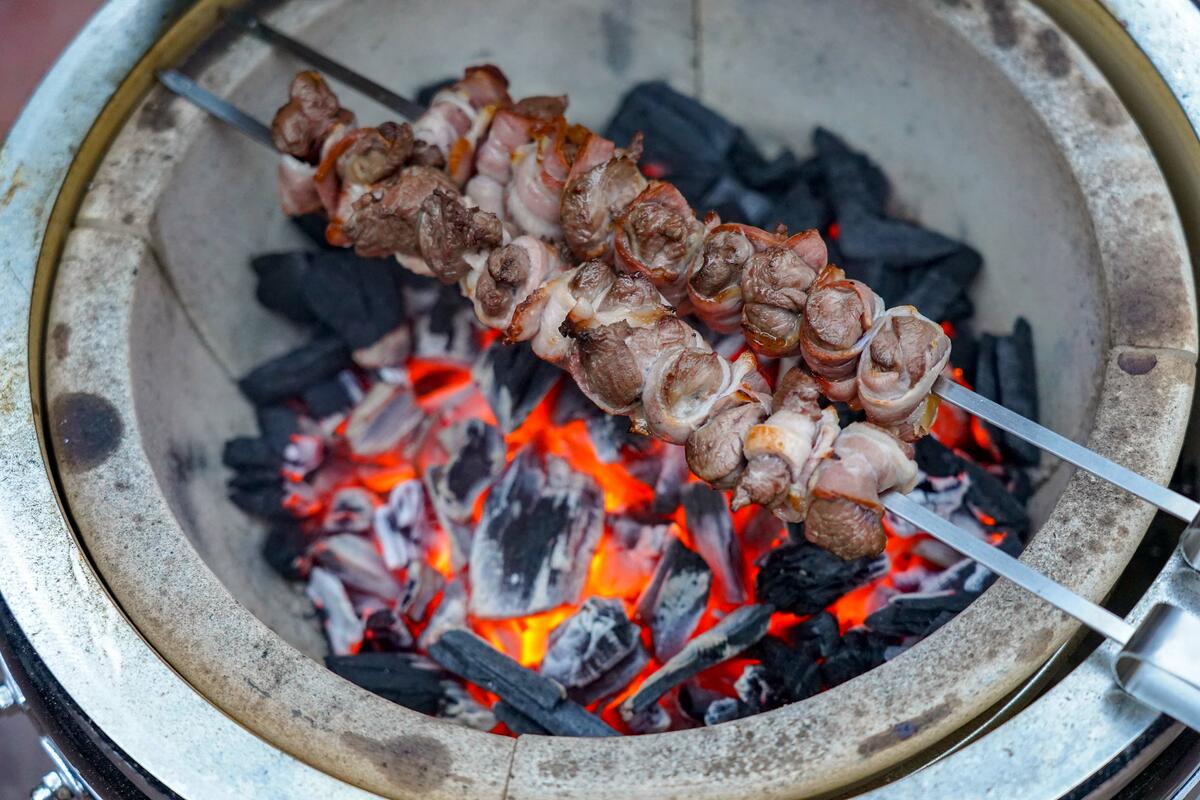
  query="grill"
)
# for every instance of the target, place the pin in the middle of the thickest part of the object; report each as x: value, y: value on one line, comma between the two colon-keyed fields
x: 150, y: 314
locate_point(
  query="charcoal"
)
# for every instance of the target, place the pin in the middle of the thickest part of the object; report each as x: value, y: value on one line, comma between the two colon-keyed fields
x: 918, y: 614
x: 897, y: 242
x: 965, y: 349
x: 280, y: 287
x: 695, y: 700
x: 390, y: 350
x: 540, y: 526
x: 799, y: 209
x: 356, y: 564
x: 960, y: 309
x: 264, y: 501
x: 668, y: 484
x: 447, y: 332
x: 459, y: 707
x: 517, y: 722
x: 408, y: 679
x: 790, y: 672
x: 351, y: 510
x: 571, y: 404
x: 675, y: 599
x: 802, y: 578
x: 771, y: 175
x: 816, y: 637
x: 943, y: 283
x: 247, y: 452
x: 384, y: 632
x: 1016, y: 377
x: 327, y: 398
x: 740, y: 629
x: 514, y: 381
x: 710, y: 525
x: 277, y: 424
x: 653, y: 719
x: 734, y: 201
x: 858, y: 650
x: 758, y: 689
x: 726, y: 709
x: 293, y: 372
x: 887, y: 282
x: 450, y: 614
x: 423, y: 583
x: 852, y: 180
x: 477, y: 453
x: 313, y: 226
x: 615, y: 680
x: 359, y: 299
x: 986, y: 380
x: 762, y: 530
x: 461, y: 534
x: 685, y: 142
x: 343, y: 628
x: 589, y: 643
x: 386, y: 414
x: 303, y: 453
x: 285, y: 549
x: 987, y: 494
x: 401, y: 525
x: 539, y: 698
x: 636, y: 545
x: 610, y: 434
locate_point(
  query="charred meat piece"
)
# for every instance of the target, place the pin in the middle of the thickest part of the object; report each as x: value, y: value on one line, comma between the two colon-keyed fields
x: 312, y: 111
x: 375, y: 153
x: 715, y: 277
x: 448, y: 233
x: 384, y: 221
x: 592, y: 199
x: 512, y: 273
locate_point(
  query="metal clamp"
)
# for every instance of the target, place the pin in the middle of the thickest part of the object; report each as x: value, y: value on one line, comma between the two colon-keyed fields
x: 11, y: 698
x: 63, y: 782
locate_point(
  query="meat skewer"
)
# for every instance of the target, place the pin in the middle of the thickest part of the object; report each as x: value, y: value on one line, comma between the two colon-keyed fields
x: 628, y: 350
x: 1150, y: 664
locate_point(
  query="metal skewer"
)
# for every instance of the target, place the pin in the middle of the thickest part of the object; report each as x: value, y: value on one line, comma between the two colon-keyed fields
x: 380, y: 94
x: 1159, y: 660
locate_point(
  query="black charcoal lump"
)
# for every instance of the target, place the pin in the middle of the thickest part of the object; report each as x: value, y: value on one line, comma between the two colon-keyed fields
x: 802, y: 578
x: 675, y: 599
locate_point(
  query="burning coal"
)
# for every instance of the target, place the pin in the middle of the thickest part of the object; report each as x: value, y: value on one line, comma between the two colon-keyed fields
x: 483, y: 544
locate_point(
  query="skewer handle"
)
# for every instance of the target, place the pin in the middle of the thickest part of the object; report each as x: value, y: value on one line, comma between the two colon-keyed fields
x: 187, y: 88
x: 380, y: 94
x: 1098, y: 619
x: 1159, y: 661
x: 1171, y: 502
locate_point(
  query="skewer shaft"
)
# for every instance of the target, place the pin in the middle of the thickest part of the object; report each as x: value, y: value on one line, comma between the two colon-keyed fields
x: 380, y: 94
x: 187, y: 88
x: 1171, y: 502
x: 1098, y: 619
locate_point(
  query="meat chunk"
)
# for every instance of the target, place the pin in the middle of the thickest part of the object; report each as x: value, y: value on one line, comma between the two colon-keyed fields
x: 838, y: 318
x: 715, y: 276
x: 375, y: 153
x: 512, y: 273
x: 448, y: 232
x: 905, y: 355
x: 384, y: 221
x: 659, y: 236
x: 458, y: 118
x: 311, y: 113
x: 774, y: 291
x: 591, y: 201
x: 845, y: 514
